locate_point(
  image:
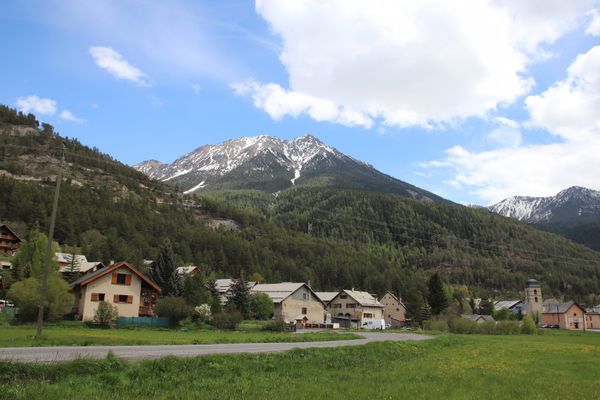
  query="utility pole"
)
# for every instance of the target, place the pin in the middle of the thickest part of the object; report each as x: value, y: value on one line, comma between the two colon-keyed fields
x: 44, y: 286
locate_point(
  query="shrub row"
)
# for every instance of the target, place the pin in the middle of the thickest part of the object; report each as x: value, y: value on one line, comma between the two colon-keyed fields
x: 465, y: 326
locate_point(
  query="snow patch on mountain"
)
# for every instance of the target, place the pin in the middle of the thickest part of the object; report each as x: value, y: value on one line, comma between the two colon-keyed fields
x: 570, y: 203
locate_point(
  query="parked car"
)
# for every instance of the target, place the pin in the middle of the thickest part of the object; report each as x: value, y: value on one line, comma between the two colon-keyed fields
x: 378, y: 324
x: 5, y: 304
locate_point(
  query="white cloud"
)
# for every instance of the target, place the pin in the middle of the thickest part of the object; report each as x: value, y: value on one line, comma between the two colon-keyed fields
x: 278, y: 102
x: 36, y: 105
x: 408, y: 63
x: 570, y: 108
x: 69, y: 116
x: 594, y: 26
x: 196, y: 87
x: 569, y: 111
x: 110, y: 60
x: 505, y: 137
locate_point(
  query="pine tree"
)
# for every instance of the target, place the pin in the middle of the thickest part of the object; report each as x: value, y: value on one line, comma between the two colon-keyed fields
x: 239, y: 299
x: 164, y: 272
x: 438, y: 301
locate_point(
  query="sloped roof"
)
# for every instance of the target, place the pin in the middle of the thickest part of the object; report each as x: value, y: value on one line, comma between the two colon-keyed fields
x: 11, y: 231
x: 66, y: 257
x: 187, y: 269
x: 278, y: 292
x: 476, y: 317
x: 559, y: 308
x: 223, y: 285
x: 106, y: 270
x: 506, y: 304
x: 326, y: 297
x: 365, y: 299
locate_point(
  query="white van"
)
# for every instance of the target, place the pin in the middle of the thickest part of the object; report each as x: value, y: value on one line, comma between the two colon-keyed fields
x: 374, y: 324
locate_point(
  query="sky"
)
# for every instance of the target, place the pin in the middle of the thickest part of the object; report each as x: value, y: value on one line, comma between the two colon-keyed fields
x: 474, y: 101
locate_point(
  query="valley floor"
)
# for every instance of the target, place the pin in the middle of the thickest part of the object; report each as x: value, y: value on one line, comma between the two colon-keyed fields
x: 555, y: 365
x: 79, y: 335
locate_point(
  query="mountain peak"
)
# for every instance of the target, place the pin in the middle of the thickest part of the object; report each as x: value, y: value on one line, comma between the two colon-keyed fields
x: 272, y: 164
x: 567, y: 206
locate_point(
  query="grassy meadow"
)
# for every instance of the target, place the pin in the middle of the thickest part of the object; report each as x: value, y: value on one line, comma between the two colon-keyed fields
x: 550, y: 366
x: 80, y: 335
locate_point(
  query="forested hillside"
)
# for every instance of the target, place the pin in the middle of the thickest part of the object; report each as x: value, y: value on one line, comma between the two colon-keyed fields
x: 328, y: 237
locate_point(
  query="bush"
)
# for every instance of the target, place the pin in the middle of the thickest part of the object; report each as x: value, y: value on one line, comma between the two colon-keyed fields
x: 174, y: 308
x: 277, y: 325
x: 439, y: 325
x: 227, y: 320
x: 261, y: 306
x: 463, y: 325
x: 106, y: 314
x: 528, y: 326
x: 487, y: 327
x: 203, y: 313
x: 26, y: 296
x: 508, y: 327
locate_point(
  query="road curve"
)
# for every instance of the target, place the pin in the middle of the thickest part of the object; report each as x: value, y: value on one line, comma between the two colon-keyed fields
x: 67, y: 353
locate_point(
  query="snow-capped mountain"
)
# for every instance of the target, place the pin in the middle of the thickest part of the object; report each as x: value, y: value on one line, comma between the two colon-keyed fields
x: 571, y: 206
x: 272, y: 164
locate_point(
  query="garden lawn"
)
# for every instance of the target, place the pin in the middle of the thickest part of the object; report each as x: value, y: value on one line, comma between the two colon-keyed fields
x: 551, y: 366
x: 23, y: 336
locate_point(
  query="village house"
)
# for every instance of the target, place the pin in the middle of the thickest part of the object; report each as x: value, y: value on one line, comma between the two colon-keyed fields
x: 478, y: 318
x: 79, y: 263
x: 568, y: 315
x: 394, y: 311
x: 326, y: 297
x: 133, y: 294
x: 188, y: 269
x: 223, y: 287
x: 351, y: 308
x: 9, y: 241
x: 294, y: 302
x: 592, y: 318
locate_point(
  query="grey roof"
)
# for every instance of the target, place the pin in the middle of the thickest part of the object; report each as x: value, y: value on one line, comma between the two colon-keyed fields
x: 278, y: 291
x: 532, y: 283
x: 476, y: 317
x: 224, y: 285
x: 365, y: 299
x: 188, y: 269
x: 558, y: 308
x: 506, y: 304
x: 326, y: 297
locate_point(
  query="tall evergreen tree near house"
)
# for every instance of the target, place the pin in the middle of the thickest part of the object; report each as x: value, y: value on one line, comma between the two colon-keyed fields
x: 164, y: 271
x: 486, y: 307
x: 239, y: 299
x: 437, y: 299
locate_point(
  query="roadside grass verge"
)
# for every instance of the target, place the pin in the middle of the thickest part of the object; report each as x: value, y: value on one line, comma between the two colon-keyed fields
x: 452, y: 366
x: 78, y: 335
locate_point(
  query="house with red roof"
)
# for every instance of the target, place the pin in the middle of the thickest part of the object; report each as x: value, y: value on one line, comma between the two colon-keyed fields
x: 130, y: 291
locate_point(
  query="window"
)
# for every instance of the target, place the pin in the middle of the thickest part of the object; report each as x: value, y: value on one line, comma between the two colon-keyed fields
x: 97, y: 296
x: 337, y: 305
x: 343, y: 296
x: 535, y: 291
x: 535, y: 299
x: 304, y: 310
x: 121, y: 279
x: 367, y: 315
x: 574, y: 314
x: 304, y: 296
x: 350, y: 305
x: 123, y: 299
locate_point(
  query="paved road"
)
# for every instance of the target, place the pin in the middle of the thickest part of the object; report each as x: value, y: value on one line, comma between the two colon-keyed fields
x: 66, y: 353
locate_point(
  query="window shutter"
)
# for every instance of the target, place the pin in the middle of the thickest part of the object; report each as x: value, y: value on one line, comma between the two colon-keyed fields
x: 114, y: 278
x: 94, y: 296
x: 129, y: 299
x: 128, y: 280
x: 115, y: 298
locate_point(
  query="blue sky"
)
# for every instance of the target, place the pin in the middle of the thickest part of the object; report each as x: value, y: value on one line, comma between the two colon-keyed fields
x: 474, y: 102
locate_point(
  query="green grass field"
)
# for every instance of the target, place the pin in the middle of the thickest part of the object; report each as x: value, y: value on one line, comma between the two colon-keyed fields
x: 551, y: 366
x: 78, y: 335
